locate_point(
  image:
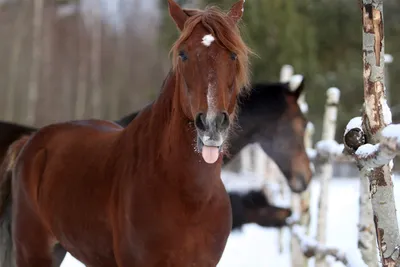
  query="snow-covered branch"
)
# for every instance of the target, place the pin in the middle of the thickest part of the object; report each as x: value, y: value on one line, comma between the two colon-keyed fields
x: 328, y: 150
x: 311, y: 248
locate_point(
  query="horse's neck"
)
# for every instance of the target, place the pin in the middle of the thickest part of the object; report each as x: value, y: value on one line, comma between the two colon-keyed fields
x: 161, y: 135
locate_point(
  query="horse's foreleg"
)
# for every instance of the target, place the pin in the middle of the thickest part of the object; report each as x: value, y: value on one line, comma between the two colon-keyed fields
x: 33, y: 244
x: 32, y: 240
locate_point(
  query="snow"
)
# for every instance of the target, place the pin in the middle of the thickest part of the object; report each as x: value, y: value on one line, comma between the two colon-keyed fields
x: 295, y: 82
x: 387, y: 114
x: 327, y: 148
x: 311, y: 153
x: 367, y: 150
x: 207, y: 40
x: 255, y: 246
x: 354, y: 123
x: 333, y: 95
x: 392, y: 131
x: 310, y: 127
x: 388, y: 58
x: 286, y: 73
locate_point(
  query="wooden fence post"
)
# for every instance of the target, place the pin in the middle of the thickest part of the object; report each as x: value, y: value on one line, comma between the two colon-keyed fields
x: 328, y: 133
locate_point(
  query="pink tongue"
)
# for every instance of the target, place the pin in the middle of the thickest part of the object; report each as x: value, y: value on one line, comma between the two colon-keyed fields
x: 210, y: 154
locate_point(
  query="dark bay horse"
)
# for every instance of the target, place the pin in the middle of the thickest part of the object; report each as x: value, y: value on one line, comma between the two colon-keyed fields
x: 254, y: 207
x: 270, y: 115
x: 149, y: 194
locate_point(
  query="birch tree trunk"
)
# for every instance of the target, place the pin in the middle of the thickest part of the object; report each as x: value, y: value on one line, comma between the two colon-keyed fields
x: 366, y: 229
x: 376, y: 116
x: 19, y: 32
x: 82, y: 92
x: 328, y: 133
x: 96, y: 60
x: 120, y: 65
x: 36, y: 62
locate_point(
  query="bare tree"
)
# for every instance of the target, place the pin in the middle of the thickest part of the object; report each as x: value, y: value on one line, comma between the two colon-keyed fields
x: 36, y: 61
x: 96, y: 60
x: 364, y: 142
x: 19, y: 32
x: 82, y: 87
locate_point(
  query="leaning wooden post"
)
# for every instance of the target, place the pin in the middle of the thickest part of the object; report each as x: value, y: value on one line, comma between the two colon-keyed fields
x: 361, y: 141
x: 300, y: 202
x: 284, y: 77
x: 328, y: 133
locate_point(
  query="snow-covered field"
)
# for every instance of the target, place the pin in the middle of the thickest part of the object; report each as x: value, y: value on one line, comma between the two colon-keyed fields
x: 258, y: 247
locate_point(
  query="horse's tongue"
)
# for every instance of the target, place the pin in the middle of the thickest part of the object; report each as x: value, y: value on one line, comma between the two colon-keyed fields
x: 210, y: 154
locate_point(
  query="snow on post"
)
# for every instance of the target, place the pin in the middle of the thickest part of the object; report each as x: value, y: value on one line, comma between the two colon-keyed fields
x: 375, y: 144
x: 286, y: 73
x: 245, y: 159
x: 328, y: 134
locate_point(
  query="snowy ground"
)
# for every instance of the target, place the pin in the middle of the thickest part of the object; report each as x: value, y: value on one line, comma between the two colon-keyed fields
x: 258, y: 247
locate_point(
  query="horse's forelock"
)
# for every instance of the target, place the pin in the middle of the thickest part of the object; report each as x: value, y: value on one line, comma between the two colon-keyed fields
x: 228, y: 36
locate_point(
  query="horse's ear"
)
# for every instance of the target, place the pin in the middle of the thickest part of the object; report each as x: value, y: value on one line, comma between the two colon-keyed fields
x: 236, y: 11
x: 296, y: 84
x: 177, y: 14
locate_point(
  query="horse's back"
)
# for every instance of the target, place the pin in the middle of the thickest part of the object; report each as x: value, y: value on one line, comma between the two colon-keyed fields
x: 65, y: 160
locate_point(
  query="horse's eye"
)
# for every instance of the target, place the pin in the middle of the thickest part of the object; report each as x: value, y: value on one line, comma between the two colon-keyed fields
x: 233, y: 56
x: 183, y: 55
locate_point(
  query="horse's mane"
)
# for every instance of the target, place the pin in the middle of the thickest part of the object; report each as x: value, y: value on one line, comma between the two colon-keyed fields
x: 226, y: 33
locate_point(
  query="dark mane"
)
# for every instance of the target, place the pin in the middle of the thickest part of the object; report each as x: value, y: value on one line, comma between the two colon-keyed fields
x: 265, y: 96
x: 227, y: 34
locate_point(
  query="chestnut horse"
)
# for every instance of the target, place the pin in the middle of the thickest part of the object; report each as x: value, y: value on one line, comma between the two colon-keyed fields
x: 149, y: 194
x: 270, y: 116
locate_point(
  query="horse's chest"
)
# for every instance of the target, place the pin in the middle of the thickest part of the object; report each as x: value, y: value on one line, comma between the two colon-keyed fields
x: 188, y: 236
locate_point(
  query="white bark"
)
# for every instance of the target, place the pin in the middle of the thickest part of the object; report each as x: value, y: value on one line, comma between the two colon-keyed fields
x: 328, y: 133
x: 377, y: 115
x: 34, y: 78
x: 370, y: 156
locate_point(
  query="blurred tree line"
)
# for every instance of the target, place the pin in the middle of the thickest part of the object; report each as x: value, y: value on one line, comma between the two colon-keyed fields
x: 73, y: 59
x: 322, y: 39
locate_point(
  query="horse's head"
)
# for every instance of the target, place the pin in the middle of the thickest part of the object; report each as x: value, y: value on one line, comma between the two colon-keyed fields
x: 292, y: 155
x: 271, y: 116
x: 258, y: 210
x: 211, y: 65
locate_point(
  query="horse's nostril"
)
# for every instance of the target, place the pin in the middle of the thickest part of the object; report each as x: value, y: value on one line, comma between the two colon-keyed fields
x: 223, y: 120
x: 200, y: 121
